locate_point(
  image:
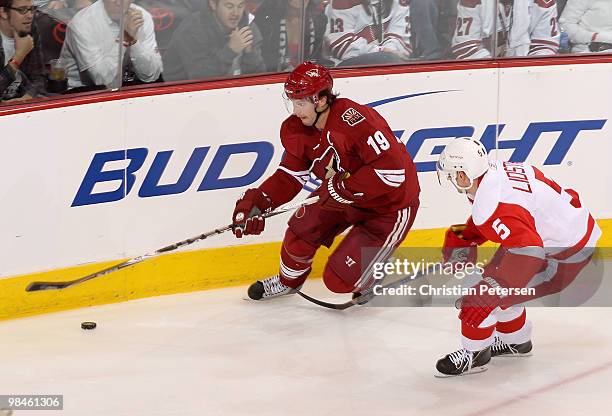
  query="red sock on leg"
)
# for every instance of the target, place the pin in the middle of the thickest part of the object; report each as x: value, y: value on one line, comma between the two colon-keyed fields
x: 296, y: 260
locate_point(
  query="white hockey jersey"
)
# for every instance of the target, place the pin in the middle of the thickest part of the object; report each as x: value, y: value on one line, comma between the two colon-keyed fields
x: 586, y: 21
x: 524, y: 27
x: 517, y: 206
x: 357, y: 27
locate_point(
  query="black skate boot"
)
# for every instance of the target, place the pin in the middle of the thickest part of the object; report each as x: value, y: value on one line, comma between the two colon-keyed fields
x: 463, y: 362
x: 268, y: 288
x: 501, y: 349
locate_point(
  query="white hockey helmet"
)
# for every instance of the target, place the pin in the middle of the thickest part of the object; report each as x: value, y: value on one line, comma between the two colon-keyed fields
x: 463, y: 154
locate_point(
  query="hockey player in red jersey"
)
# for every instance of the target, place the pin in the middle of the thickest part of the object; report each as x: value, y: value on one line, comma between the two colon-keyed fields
x: 546, y: 238
x: 369, y: 184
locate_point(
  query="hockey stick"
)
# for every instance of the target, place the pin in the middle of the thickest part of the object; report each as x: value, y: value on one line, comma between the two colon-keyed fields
x: 364, y: 297
x: 36, y: 286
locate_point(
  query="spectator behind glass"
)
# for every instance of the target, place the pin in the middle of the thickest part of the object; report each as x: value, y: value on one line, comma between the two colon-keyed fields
x: 524, y: 28
x: 23, y: 73
x: 90, y: 50
x: 433, y: 24
x: 168, y: 15
x: 219, y: 41
x: 281, y: 23
x: 51, y: 19
x: 368, y: 31
x: 589, y: 25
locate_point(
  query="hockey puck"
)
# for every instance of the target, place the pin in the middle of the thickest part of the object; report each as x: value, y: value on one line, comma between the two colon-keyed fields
x: 88, y: 325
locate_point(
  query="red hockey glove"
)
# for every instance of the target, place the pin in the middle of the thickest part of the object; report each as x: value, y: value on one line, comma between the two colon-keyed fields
x: 247, y: 218
x: 476, y: 308
x: 508, y: 269
x: 333, y: 196
x: 457, y: 248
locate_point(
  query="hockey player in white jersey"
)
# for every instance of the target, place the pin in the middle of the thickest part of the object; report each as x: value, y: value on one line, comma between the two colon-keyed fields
x: 359, y: 27
x: 524, y: 28
x: 546, y: 236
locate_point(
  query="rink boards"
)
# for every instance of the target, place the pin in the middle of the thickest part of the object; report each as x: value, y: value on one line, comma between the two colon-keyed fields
x: 86, y: 185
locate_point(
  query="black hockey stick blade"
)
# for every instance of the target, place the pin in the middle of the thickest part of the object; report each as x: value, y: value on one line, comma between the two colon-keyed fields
x: 38, y: 286
x: 363, y: 298
x: 360, y: 300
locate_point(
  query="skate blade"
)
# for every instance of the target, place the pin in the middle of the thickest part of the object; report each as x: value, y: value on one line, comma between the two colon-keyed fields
x: 475, y: 370
x: 527, y: 354
x: 248, y: 299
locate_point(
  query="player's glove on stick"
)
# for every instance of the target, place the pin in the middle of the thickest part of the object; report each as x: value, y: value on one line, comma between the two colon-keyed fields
x: 247, y: 218
x: 457, y: 248
x: 333, y: 195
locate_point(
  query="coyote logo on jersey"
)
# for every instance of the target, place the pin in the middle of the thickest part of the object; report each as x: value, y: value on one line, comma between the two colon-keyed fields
x: 352, y: 117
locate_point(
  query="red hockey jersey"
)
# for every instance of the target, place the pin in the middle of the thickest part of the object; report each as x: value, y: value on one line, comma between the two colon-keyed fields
x: 357, y: 140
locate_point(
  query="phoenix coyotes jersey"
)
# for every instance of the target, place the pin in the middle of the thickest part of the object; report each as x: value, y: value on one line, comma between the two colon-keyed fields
x: 358, y: 141
x: 523, y: 27
x: 359, y: 27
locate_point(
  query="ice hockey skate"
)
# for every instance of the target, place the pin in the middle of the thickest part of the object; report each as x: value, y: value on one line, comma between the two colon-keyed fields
x: 501, y: 349
x: 463, y: 362
x: 269, y: 288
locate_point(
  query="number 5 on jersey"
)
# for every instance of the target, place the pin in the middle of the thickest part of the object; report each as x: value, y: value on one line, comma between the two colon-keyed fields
x: 501, y: 229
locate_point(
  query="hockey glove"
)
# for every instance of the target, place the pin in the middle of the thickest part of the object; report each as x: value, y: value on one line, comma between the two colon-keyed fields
x: 475, y: 308
x: 507, y: 270
x: 333, y: 196
x: 247, y: 218
x: 457, y: 248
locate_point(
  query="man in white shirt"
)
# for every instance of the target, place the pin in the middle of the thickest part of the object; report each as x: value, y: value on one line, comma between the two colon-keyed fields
x: 91, y: 48
x: 589, y: 25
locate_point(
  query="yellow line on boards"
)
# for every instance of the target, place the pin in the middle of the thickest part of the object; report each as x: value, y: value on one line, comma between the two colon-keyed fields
x: 174, y: 273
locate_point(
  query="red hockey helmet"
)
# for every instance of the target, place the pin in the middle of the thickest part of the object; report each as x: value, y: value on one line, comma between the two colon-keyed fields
x: 307, y: 80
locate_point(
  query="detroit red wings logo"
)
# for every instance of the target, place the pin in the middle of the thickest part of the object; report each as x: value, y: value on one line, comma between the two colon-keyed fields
x: 352, y: 117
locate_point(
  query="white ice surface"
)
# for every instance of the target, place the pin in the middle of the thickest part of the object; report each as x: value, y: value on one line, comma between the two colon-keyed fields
x: 213, y: 353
